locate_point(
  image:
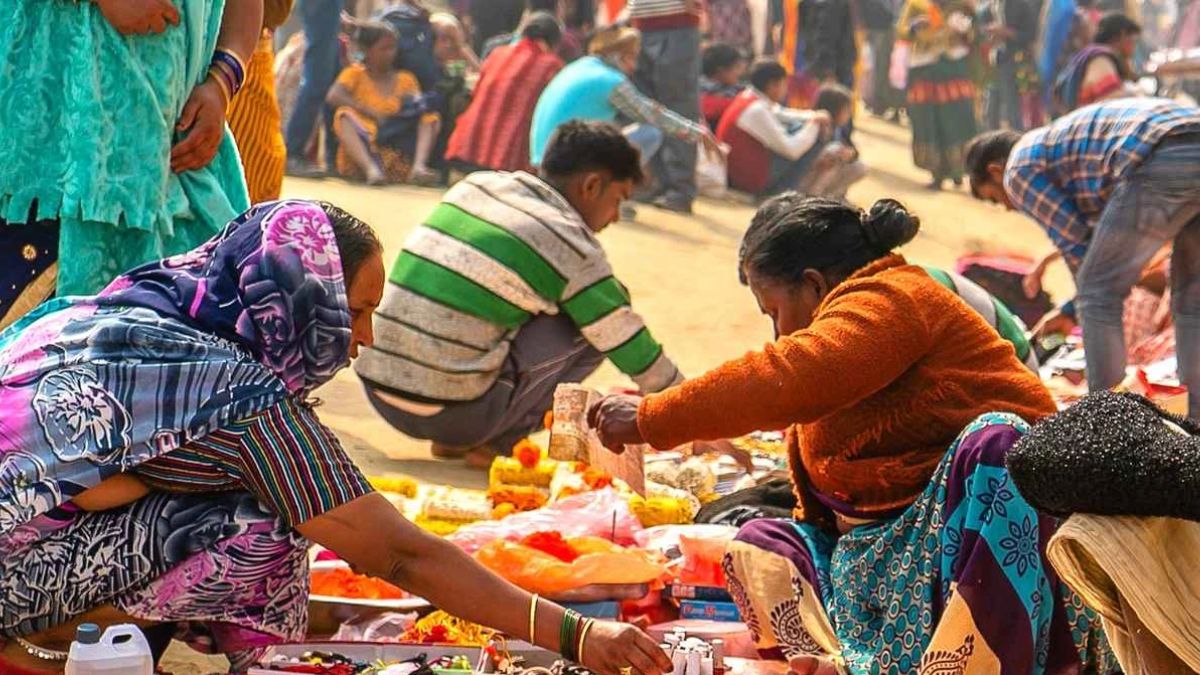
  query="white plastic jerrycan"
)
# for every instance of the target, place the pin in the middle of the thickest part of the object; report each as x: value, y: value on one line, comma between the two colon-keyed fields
x: 121, y: 650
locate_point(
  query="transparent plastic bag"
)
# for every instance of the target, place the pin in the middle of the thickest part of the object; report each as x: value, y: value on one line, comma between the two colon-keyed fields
x: 386, y: 627
x: 602, y: 513
x: 696, y: 551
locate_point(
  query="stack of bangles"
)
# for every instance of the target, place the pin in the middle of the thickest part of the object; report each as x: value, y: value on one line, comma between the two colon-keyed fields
x: 572, y: 635
x: 229, y: 72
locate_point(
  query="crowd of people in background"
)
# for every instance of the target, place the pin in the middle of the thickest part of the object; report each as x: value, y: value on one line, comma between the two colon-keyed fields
x: 756, y: 96
x: 668, y: 70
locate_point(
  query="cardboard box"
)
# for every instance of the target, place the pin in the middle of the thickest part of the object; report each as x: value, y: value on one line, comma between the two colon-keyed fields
x: 688, y: 592
x: 709, y: 611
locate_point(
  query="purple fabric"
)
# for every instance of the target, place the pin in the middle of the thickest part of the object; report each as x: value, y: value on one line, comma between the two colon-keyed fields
x: 781, y: 538
x: 988, y: 446
x: 93, y: 387
x: 271, y: 281
x: 885, y: 586
x: 1070, y: 80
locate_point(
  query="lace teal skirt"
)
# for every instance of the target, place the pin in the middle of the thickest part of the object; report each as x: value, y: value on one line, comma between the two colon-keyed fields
x: 87, y: 121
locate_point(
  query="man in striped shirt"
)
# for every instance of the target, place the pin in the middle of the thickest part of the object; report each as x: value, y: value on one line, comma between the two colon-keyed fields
x: 505, y: 292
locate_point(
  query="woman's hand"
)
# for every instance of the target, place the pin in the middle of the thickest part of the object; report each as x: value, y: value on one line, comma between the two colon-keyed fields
x: 138, y: 17
x: 812, y: 665
x: 1054, y: 323
x: 1032, y: 282
x: 203, y: 120
x: 615, y: 419
x: 609, y: 647
x: 371, y: 535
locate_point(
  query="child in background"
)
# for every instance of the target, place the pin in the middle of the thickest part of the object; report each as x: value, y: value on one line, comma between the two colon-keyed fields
x: 367, y: 95
x: 839, y: 166
x: 772, y: 149
x: 722, y: 68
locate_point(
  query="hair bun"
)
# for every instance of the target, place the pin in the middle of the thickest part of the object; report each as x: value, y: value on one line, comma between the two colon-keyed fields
x: 889, y: 225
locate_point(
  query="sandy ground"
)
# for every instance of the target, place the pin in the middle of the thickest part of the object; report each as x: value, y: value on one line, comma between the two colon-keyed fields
x: 681, y: 271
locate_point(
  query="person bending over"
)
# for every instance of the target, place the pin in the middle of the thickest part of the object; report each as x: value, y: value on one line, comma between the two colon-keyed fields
x: 503, y: 293
x: 1111, y: 184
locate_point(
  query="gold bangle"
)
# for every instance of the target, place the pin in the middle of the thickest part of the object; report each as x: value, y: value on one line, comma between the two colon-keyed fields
x: 219, y: 79
x: 533, y: 605
x: 587, y: 626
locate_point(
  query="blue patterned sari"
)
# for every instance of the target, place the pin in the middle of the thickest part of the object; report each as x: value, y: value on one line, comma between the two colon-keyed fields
x: 956, y: 583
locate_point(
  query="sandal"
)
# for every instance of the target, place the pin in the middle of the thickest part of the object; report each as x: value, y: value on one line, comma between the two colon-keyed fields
x: 426, y: 178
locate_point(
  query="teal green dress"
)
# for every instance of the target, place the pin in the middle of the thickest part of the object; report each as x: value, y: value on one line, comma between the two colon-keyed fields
x: 87, y: 121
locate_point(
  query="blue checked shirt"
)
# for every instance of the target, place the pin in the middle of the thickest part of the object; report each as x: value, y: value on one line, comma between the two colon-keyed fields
x: 1062, y: 175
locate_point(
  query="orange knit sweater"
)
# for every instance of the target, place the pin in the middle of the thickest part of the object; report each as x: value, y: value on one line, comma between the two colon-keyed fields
x: 892, y: 369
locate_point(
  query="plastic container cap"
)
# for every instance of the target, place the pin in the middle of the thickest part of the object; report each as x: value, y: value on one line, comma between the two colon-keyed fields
x: 87, y: 634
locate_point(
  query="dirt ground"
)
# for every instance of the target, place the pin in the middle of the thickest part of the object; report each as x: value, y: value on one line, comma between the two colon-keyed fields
x: 681, y: 271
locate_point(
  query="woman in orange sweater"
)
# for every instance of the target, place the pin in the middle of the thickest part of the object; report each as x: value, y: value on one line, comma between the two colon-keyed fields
x: 911, y: 551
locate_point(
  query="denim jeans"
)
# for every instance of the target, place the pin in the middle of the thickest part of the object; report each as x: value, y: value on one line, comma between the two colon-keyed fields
x: 1004, y: 102
x: 322, y: 21
x: 1158, y: 204
x: 669, y: 72
x: 647, y: 138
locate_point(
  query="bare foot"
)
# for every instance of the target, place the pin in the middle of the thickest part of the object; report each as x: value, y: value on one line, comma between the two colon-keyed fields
x: 447, y: 452
x: 812, y: 665
x: 481, y: 457
x: 424, y: 177
x: 375, y: 176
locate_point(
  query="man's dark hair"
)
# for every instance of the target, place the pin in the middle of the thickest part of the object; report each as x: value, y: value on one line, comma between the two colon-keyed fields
x: 494, y: 17
x: 992, y: 147
x: 1115, y: 26
x: 719, y: 56
x: 542, y: 26
x: 578, y: 146
x: 764, y: 72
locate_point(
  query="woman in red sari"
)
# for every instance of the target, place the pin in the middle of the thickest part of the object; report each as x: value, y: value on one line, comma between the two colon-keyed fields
x: 493, y: 133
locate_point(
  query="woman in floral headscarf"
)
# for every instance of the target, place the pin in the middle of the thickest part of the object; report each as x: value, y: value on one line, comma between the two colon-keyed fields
x: 160, y: 462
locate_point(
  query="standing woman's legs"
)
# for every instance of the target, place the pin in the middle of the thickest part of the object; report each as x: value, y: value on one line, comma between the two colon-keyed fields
x: 669, y: 69
x: 322, y: 21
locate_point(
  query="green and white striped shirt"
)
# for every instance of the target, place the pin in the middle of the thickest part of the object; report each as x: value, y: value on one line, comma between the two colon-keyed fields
x: 993, y: 311
x: 500, y: 249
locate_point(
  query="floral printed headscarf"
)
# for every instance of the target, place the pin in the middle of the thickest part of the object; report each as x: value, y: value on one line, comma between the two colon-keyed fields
x: 271, y: 281
x: 92, y: 387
